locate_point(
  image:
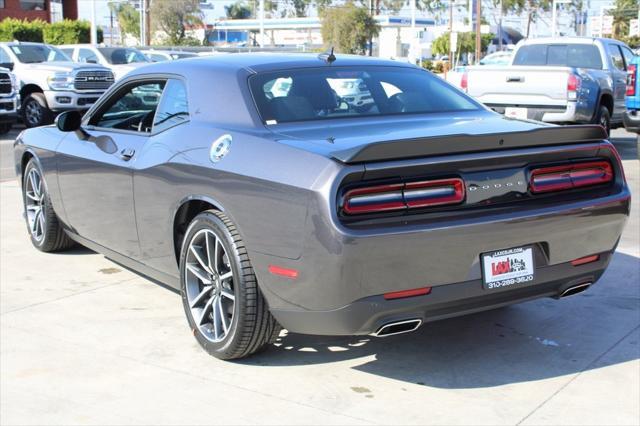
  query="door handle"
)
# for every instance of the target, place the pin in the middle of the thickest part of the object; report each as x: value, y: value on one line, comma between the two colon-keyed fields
x: 127, y: 153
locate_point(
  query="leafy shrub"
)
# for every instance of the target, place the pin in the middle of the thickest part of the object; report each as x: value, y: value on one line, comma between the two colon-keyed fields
x: 69, y: 32
x: 427, y: 64
x: 16, y: 29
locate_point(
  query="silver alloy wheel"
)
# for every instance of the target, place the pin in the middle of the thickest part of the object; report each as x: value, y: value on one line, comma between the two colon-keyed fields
x: 34, y: 199
x: 209, y: 285
x: 33, y: 112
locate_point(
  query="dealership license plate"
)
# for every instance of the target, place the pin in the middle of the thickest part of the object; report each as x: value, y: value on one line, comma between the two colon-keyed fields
x: 519, y: 113
x: 508, y: 267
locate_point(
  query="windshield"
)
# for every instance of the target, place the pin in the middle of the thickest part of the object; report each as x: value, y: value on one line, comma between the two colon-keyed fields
x: 336, y: 92
x: 121, y: 56
x: 36, y: 53
x: 564, y: 55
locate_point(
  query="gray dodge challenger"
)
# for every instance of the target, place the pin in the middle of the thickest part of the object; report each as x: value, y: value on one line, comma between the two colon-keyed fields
x: 326, y: 195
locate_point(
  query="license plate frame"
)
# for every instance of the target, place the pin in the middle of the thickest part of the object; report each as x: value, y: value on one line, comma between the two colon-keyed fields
x: 507, y: 267
x: 517, y: 113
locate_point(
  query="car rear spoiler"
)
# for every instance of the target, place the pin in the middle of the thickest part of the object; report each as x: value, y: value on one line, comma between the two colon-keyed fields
x: 459, y: 143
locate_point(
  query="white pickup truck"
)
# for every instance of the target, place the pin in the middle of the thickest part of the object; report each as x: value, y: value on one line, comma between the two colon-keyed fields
x: 557, y: 80
x: 49, y: 82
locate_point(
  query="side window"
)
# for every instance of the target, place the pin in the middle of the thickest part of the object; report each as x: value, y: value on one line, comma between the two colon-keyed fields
x: 616, y: 56
x: 87, y: 55
x: 131, y: 108
x: 628, y: 55
x: 173, y: 108
x: 67, y: 51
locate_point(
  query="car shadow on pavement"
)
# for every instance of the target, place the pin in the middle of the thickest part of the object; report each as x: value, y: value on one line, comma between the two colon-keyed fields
x: 527, y: 342
x: 627, y: 147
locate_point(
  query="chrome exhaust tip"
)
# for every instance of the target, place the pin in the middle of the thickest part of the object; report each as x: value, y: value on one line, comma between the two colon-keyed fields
x: 398, y: 327
x: 575, y: 289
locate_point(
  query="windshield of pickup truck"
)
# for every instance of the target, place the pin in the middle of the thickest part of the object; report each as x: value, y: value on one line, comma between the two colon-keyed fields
x: 327, y: 93
x: 122, y: 56
x: 37, y: 53
x: 562, y: 55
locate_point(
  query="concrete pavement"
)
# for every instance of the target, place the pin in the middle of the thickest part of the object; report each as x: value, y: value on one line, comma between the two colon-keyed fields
x: 85, y: 341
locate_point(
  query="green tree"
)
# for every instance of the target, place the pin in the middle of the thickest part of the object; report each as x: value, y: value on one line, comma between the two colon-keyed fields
x: 348, y: 28
x: 128, y: 19
x: 238, y: 10
x: 466, y: 43
x: 533, y: 9
x: 173, y: 17
x: 623, y: 11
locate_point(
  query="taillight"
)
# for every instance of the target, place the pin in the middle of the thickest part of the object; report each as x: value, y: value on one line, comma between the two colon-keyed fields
x: 573, y: 85
x: 631, y: 80
x: 559, y: 178
x: 401, y: 196
x: 464, y: 82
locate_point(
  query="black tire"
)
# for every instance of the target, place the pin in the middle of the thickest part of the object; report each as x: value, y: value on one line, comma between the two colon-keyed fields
x: 252, y: 326
x: 5, y: 128
x: 52, y: 236
x: 603, y: 118
x: 35, y: 111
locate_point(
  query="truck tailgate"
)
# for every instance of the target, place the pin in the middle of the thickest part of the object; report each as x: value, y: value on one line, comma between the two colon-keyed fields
x: 519, y: 85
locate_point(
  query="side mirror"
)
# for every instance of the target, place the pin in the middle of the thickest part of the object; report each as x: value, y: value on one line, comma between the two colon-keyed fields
x: 69, y: 121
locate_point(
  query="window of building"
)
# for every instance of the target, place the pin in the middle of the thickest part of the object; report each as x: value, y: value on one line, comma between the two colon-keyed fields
x: 33, y: 5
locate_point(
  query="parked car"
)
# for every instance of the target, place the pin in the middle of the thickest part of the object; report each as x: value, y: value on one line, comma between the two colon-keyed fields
x: 9, y: 100
x: 558, y: 80
x: 50, y: 82
x: 632, y: 114
x: 302, y: 212
x: 168, y: 55
x: 120, y: 60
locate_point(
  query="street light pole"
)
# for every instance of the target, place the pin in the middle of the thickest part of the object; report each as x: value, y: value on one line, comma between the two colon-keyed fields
x: 94, y: 27
x: 261, y: 23
x: 478, y: 19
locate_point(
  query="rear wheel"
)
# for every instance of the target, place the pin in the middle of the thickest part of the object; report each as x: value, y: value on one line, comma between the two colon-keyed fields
x: 35, y: 111
x: 44, y: 227
x: 603, y: 118
x: 226, y: 311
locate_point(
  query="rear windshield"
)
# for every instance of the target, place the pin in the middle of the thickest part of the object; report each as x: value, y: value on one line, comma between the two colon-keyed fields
x: 565, y: 55
x: 122, y: 55
x: 337, y: 92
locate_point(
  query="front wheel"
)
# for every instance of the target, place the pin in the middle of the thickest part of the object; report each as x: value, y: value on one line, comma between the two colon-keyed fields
x: 226, y: 311
x: 35, y: 111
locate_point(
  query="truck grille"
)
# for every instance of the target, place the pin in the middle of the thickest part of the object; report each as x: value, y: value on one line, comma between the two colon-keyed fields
x: 93, y: 80
x: 5, y: 83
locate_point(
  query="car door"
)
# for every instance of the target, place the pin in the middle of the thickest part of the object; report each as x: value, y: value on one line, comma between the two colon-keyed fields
x: 95, y: 166
x: 619, y: 77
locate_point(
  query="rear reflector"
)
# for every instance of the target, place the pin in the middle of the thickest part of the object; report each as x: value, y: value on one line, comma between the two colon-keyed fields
x: 631, y: 80
x: 283, y: 272
x: 401, y: 196
x: 586, y: 259
x: 558, y: 178
x: 407, y: 293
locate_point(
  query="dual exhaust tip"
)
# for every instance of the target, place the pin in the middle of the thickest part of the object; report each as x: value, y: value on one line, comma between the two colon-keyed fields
x: 406, y: 326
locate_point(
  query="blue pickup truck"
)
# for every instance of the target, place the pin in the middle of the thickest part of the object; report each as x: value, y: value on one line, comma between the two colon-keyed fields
x: 632, y: 115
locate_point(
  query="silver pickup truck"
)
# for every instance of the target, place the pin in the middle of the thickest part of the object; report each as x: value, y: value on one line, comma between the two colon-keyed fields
x: 557, y: 80
x: 49, y: 82
x: 9, y: 100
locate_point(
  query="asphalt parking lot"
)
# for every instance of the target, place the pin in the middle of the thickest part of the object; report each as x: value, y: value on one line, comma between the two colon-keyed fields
x: 85, y: 341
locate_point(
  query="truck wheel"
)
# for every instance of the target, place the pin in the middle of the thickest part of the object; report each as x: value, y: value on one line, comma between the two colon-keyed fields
x: 603, y: 118
x: 35, y: 111
x: 44, y: 227
x: 225, y: 309
x: 5, y: 128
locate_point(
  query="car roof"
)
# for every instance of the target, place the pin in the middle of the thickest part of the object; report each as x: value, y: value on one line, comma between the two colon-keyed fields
x: 567, y: 40
x: 259, y: 62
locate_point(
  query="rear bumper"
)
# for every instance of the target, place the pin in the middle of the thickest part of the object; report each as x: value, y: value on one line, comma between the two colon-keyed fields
x: 631, y: 119
x: 572, y: 112
x: 367, y: 315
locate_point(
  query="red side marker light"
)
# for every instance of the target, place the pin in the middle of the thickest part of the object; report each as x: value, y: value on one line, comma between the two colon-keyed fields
x: 407, y: 293
x: 586, y: 259
x: 283, y: 272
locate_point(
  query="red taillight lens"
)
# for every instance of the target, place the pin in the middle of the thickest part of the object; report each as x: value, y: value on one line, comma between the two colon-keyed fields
x: 631, y: 80
x: 401, y: 196
x: 573, y: 85
x: 374, y: 199
x: 558, y: 178
x: 464, y: 82
x: 434, y: 192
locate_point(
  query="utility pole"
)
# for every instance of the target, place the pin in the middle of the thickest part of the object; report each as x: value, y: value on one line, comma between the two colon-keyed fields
x: 141, y: 14
x: 478, y: 19
x: 450, y: 32
x: 94, y: 27
x: 261, y: 23
x: 147, y: 22
x: 500, y: 28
